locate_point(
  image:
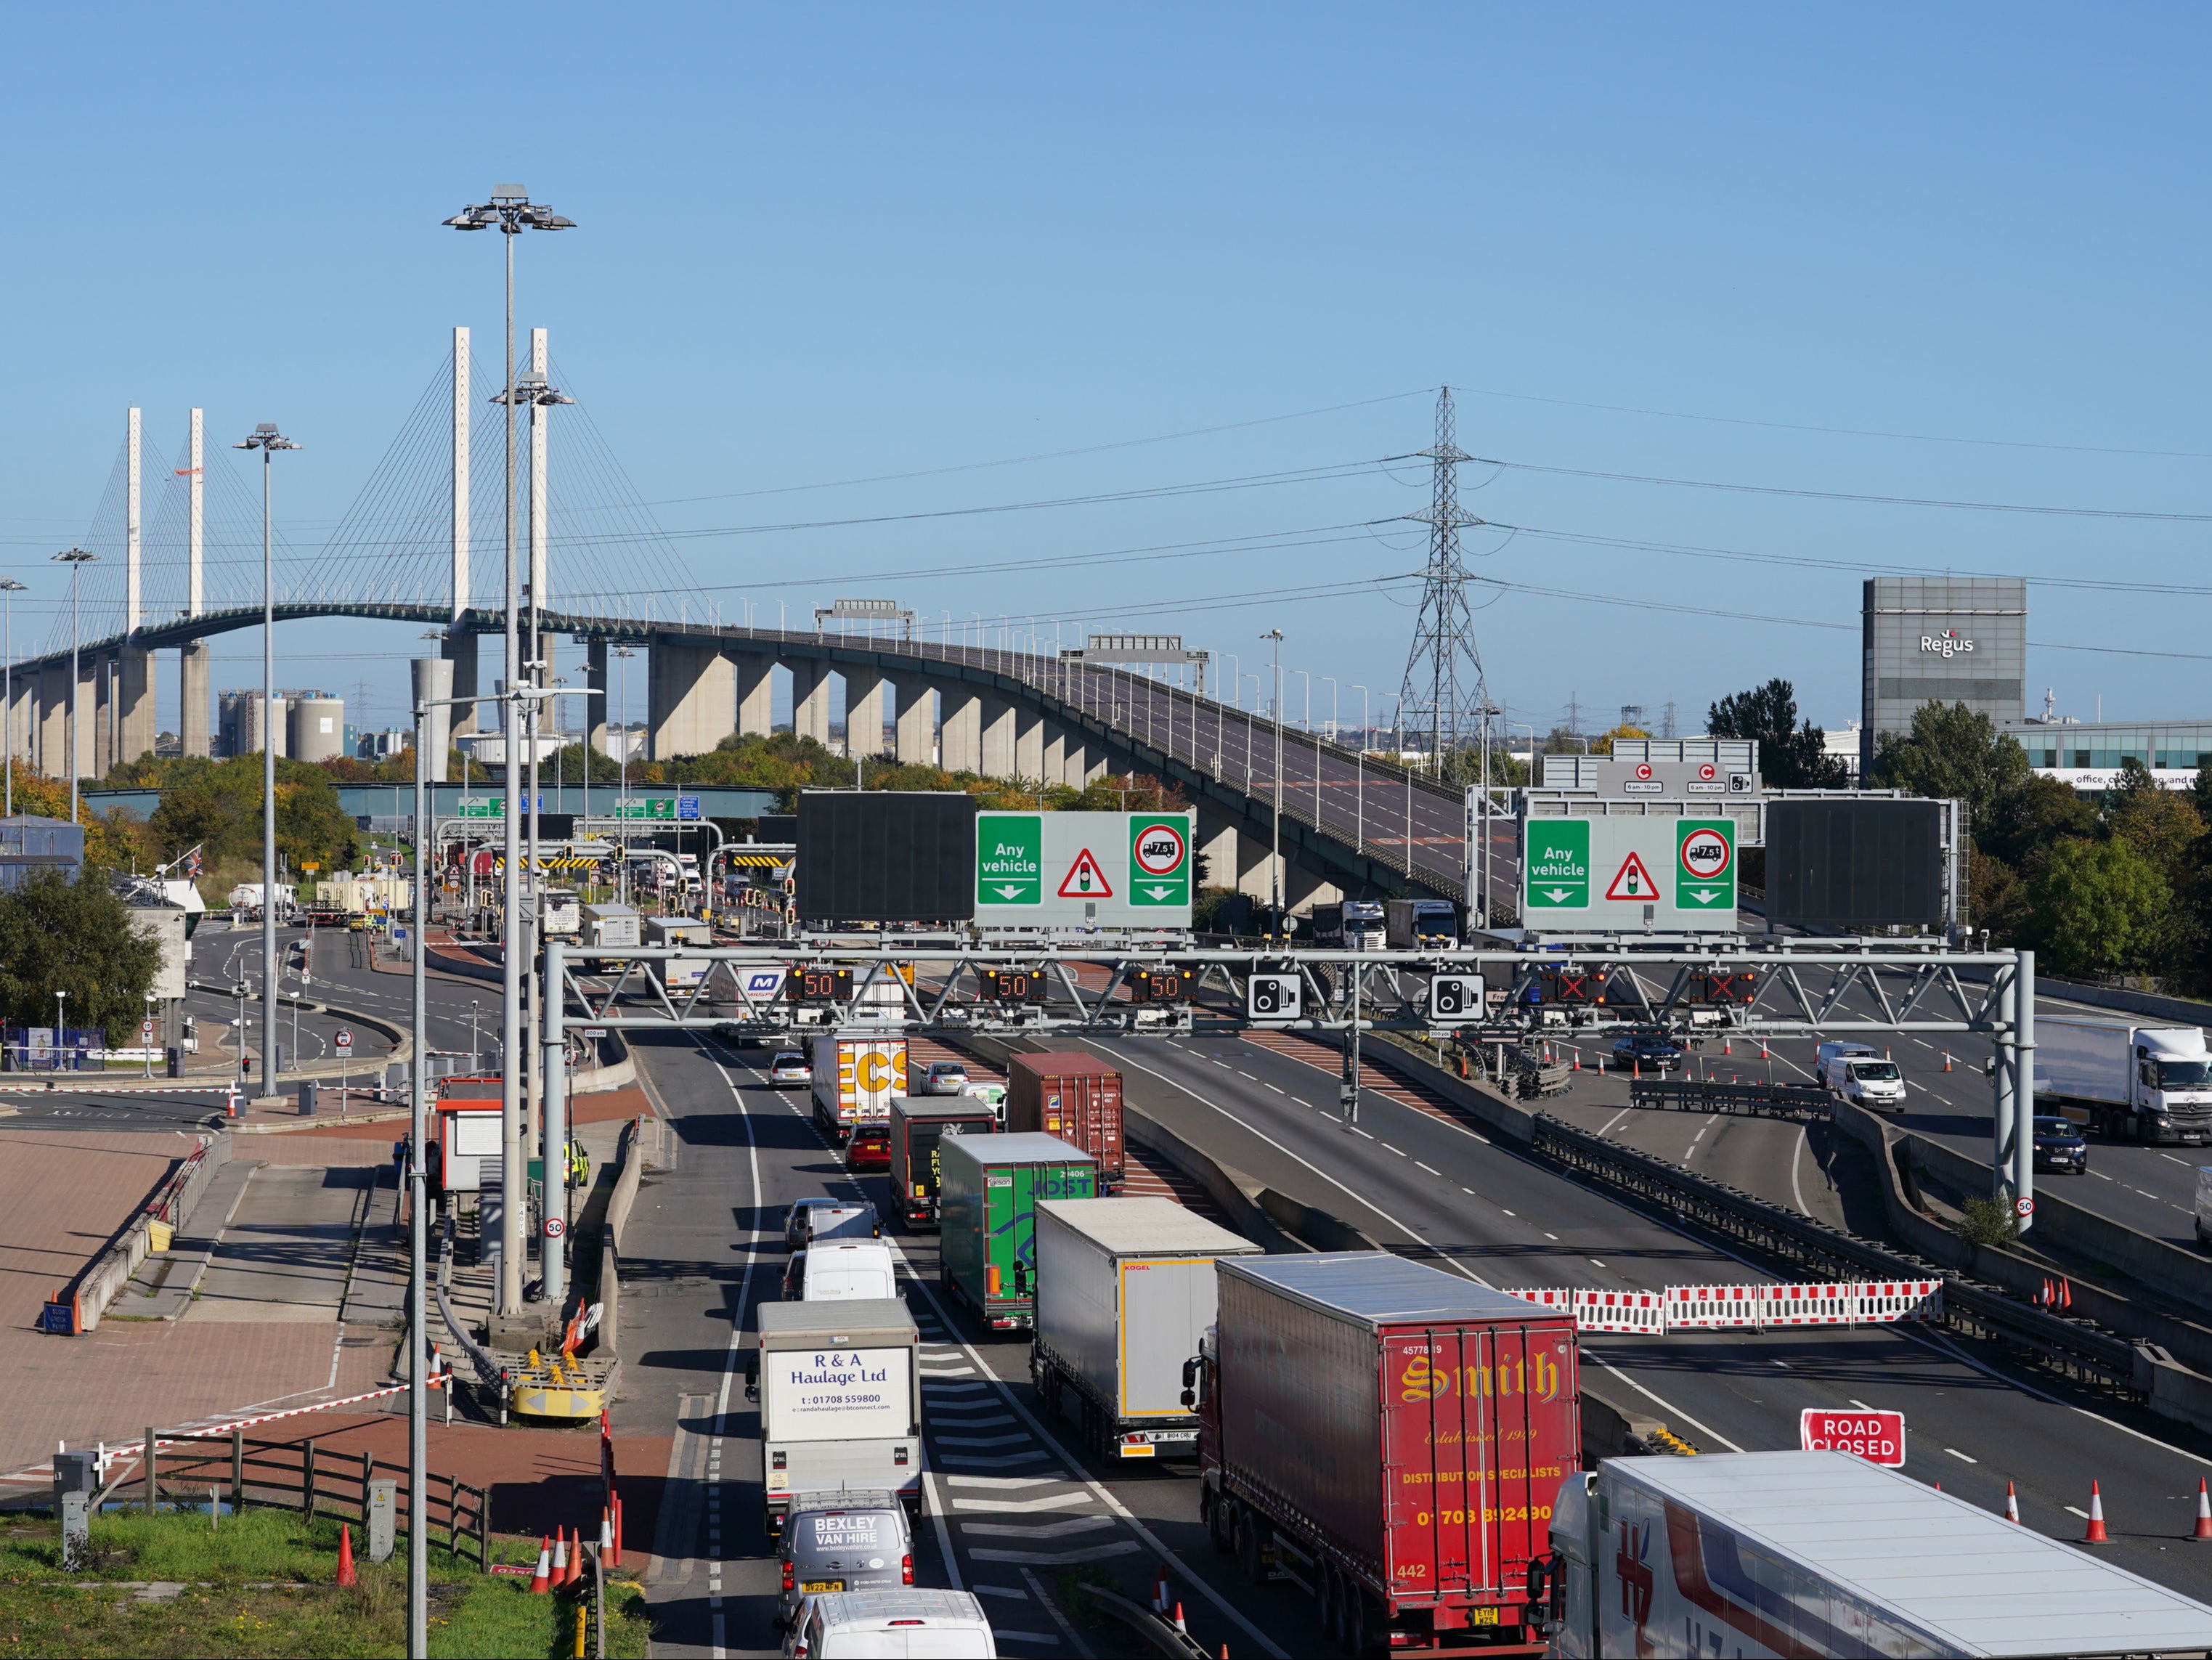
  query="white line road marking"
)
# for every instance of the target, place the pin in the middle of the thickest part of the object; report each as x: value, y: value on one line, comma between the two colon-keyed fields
x: 1053, y: 1608
x: 1007, y: 1482
x: 2083, y: 1514
x: 1961, y: 1456
x: 1385, y: 1145
x: 1010, y: 1506
x: 1431, y: 1169
x: 1615, y: 1119
x: 1038, y: 1529
x: 1596, y: 1263
x: 1862, y: 1405
x: 1059, y: 1558
x: 1001, y: 1590
x: 1677, y: 1412
x: 1551, y: 1235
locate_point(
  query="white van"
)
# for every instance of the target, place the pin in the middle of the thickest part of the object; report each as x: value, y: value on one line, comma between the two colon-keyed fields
x: 1857, y: 1073
x: 892, y: 1625
x: 837, y: 1270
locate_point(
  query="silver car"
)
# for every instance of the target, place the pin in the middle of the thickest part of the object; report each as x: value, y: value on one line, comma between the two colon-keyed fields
x: 841, y: 1542
x: 945, y: 1078
x: 789, y: 1070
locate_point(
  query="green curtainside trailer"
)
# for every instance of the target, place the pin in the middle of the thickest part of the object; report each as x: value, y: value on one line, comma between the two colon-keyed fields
x: 989, y: 1187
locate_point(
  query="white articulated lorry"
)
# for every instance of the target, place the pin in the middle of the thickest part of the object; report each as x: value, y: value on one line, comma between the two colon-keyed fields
x: 2145, y: 1083
x: 839, y: 1401
x: 856, y: 1072
x: 1761, y: 1554
x: 1125, y: 1294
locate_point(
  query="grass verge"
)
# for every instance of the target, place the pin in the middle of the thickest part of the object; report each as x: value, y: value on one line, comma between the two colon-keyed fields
x: 260, y: 1585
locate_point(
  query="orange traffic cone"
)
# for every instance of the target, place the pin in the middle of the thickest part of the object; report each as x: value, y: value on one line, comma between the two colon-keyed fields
x: 1179, y: 1626
x: 1947, y: 1060
x: 2203, y: 1514
x: 2012, y: 1503
x: 1635, y: 1066
x: 1578, y: 1060
x: 346, y: 1575
x: 2096, y: 1534
x: 2065, y: 1294
x: 615, y: 1561
x: 542, y: 1579
x: 1726, y: 1048
x: 1762, y: 1051
x: 560, y: 1558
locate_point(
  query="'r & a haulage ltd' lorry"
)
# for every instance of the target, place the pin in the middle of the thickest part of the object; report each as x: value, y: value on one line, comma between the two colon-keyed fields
x: 840, y: 1398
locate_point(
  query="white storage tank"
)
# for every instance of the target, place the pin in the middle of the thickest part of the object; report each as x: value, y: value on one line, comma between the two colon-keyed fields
x: 316, y: 728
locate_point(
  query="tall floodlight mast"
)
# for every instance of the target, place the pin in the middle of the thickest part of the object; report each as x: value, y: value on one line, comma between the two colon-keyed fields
x: 1443, y: 689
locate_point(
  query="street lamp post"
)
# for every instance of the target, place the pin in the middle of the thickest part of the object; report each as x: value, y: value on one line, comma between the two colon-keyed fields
x: 623, y: 654
x: 10, y: 587
x: 146, y: 1036
x: 1359, y: 773
x: 266, y: 439
x: 511, y: 211
x: 1275, y: 866
x: 76, y: 559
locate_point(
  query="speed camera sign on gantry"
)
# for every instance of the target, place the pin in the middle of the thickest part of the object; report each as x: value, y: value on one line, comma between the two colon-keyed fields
x: 1455, y: 998
x: 1273, y: 997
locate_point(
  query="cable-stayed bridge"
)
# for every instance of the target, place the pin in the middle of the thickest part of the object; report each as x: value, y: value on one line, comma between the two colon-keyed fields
x: 421, y: 546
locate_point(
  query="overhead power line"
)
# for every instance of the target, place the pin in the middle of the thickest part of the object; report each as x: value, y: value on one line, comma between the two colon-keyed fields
x: 1849, y: 495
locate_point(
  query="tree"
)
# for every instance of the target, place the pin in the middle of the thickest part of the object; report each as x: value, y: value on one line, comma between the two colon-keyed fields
x: 2099, y: 907
x: 1603, y: 744
x: 1791, y: 755
x: 2023, y: 824
x: 1951, y: 752
x: 2200, y: 790
x: 74, y: 937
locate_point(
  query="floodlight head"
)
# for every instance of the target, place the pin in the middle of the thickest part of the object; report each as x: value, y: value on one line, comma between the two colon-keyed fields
x: 9, y: 585
x: 467, y: 221
x: 77, y: 556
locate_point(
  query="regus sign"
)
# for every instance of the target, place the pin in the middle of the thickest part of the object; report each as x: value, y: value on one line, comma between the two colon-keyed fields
x: 1947, y: 644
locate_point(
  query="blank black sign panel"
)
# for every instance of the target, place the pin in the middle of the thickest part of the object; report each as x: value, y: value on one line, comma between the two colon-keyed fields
x: 886, y: 856
x: 1855, y: 864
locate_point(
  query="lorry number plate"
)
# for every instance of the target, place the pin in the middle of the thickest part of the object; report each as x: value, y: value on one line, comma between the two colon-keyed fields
x: 1482, y: 1616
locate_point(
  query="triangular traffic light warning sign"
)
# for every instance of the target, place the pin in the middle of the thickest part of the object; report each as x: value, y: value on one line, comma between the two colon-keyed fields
x: 1633, y: 881
x: 1085, y: 879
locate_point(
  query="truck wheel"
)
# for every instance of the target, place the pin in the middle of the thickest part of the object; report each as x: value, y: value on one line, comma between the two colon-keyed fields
x: 1326, y: 1603
x: 1213, y: 1511
x: 1247, y: 1547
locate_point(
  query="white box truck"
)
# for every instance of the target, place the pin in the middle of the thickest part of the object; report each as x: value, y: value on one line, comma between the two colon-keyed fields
x: 1822, y: 1553
x: 840, y: 1399
x: 2148, y: 1083
x: 1125, y: 1293
x: 676, y: 932
x: 1422, y: 925
x: 1856, y: 1072
x: 857, y: 1070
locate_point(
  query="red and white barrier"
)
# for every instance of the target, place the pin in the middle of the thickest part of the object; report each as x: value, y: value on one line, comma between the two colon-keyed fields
x: 1714, y: 1308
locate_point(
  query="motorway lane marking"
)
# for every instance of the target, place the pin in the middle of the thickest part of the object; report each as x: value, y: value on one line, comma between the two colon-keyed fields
x: 2170, y: 1160
x: 1431, y: 1169
x: 1862, y: 1405
x: 1037, y: 1529
x: 1955, y: 1453
x: 1004, y: 1506
x: 1386, y: 1144
x: 1058, y: 1619
x: 1615, y: 1119
x: 1151, y: 1540
x: 1596, y: 1263
x: 1002, y: 1483
x: 2083, y: 1514
x: 1684, y: 1417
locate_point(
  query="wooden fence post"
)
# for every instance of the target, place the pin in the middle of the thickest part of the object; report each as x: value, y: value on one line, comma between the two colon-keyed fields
x: 153, y: 1482
x: 484, y: 1530
x: 237, y: 1471
x: 307, y: 1478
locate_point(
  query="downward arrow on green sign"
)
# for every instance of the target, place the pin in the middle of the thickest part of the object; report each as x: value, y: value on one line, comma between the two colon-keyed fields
x: 1558, y: 864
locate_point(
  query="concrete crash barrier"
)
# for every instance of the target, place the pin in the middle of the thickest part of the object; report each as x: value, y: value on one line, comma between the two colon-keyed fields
x: 76, y: 1309
x: 2082, y: 1233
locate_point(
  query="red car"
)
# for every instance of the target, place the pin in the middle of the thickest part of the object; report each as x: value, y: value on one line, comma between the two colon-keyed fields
x: 869, y: 1147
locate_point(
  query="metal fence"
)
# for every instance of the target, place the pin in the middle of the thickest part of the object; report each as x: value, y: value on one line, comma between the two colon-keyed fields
x: 302, y: 1476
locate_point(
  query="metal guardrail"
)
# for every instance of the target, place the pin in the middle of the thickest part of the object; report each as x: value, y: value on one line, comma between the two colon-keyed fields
x: 2073, y: 1346
x: 1760, y: 1100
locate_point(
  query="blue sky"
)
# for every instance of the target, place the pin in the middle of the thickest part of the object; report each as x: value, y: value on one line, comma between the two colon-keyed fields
x: 824, y: 245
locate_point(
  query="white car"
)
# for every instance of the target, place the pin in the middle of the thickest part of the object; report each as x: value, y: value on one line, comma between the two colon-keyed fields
x: 994, y: 1096
x: 789, y: 1070
x: 849, y: 1625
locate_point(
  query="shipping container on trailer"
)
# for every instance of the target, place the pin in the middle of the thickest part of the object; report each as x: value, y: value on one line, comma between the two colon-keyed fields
x: 917, y: 1126
x: 1125, y: 1293
x: 1389, y: 1436
x: 1075, y: 1097
x: 1826, y: 1554
x: 857, y: 1071
x: 612, y: 927
x: 991, y: 1186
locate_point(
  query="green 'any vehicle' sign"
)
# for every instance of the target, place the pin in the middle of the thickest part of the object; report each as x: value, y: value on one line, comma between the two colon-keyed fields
x: 1009, y: 858
x: 1557, y: 865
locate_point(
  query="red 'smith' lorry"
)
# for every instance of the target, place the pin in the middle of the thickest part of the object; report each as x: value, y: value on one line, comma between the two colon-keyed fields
x: 1391, y: 1436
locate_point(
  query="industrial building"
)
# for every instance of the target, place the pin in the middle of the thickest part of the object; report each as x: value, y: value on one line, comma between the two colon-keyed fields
x: 1941, y: 638
x: 308, y: 726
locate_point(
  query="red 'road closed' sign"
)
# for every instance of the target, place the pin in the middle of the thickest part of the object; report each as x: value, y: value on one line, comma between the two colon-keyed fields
x: 1877, y: 1437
